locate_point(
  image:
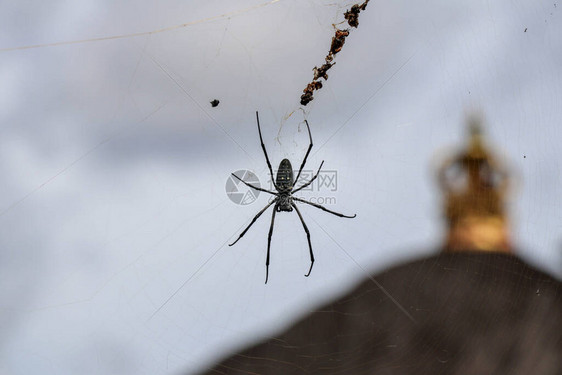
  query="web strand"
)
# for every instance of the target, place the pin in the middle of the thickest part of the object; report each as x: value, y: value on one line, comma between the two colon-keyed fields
x: 144, y: 33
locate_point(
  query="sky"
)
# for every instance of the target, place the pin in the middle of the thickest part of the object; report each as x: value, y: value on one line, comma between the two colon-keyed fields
x: 114, y: 219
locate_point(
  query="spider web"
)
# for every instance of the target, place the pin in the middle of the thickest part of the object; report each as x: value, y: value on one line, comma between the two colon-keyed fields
x: 114, y: 215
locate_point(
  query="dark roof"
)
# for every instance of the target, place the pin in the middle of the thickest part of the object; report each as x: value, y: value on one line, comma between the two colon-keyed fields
x: 464, y: 313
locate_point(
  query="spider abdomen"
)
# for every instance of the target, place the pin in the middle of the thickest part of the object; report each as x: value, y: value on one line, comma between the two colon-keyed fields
x: 284, y: 180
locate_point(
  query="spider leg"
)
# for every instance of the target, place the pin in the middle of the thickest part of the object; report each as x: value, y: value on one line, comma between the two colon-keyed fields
x: 253, y: 221
x: 323, y: 208
x: 252, y: 186
x: 311, y: 181
x: 307, y: 237
x: 269, y: 243
x: 307, y: 152
x: 265, y: 153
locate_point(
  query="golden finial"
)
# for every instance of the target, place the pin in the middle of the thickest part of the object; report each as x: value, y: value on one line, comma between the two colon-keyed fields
x: 474, y: 186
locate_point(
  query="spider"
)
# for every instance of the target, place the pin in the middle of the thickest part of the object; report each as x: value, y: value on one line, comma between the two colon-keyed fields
x: 284, y: 199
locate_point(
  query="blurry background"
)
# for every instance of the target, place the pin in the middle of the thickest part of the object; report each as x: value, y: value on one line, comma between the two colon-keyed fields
x: 113, y: 213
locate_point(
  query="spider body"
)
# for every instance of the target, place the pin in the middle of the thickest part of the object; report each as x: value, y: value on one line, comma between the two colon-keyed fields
x: 285, y: 183
x: 284, y: 200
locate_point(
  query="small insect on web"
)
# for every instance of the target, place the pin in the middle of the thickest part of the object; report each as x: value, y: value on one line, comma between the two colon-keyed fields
x: 284, y: 199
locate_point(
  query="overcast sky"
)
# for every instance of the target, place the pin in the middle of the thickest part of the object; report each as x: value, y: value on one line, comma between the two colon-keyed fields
x: 113, y: 214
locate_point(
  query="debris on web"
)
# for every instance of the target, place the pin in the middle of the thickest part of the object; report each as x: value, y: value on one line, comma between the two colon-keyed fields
x: 338, y: 40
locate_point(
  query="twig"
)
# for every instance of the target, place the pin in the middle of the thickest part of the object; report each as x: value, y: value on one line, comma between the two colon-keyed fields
x: 352, y: 17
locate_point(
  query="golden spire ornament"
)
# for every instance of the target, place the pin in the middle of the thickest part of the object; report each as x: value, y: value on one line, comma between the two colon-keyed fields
x: 474, y: 187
